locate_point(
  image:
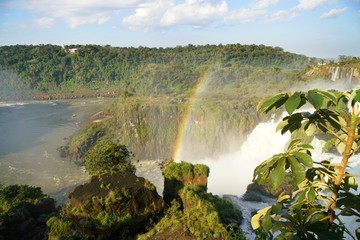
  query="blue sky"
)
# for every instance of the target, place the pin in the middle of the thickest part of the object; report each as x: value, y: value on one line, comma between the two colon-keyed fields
x: 316, y: 28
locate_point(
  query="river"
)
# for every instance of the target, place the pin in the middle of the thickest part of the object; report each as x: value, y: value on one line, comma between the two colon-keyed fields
x: 30, y: 134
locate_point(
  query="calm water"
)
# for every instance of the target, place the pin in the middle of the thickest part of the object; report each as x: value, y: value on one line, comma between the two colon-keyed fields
x: 30, y: 134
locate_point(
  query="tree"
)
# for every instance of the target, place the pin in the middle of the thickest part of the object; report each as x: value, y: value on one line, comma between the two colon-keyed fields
x: 323, y: 188
x: 107, y: 157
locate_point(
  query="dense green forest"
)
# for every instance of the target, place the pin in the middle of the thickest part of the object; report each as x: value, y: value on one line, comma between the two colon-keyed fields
x: 90, y: 69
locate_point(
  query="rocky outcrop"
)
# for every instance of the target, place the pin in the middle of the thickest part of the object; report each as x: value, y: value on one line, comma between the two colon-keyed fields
x: 108, y: 207
x: 143, y: 200
x: 256, y: 193
x: 24, y: 211
x: 192, y: 212
x: 260, y: 193
x: 180, y: 175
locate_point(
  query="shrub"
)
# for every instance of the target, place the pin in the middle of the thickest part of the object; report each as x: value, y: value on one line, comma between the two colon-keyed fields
x: 107, y: 157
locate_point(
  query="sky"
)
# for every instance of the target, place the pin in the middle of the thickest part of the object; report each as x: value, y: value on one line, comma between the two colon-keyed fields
x: 315, y: 28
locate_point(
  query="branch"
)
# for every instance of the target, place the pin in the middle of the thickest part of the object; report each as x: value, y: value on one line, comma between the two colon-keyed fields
x: 332, y: 132
x: 357, y: 136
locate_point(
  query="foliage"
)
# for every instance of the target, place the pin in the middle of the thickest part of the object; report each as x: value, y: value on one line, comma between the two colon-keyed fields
x: 201, y: 214
x: 141, y: 71
x: 21, y: 204
x: 107, y: 157
x: 16, y: 199
x: 323, y: 188
x: 96, y: 217
x: 86, y: 138
x: 149, y: 126
x: 182, y: 170
x: 111, y: 206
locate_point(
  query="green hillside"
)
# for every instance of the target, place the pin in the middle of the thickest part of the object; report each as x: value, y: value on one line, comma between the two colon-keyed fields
x: 79, y: 70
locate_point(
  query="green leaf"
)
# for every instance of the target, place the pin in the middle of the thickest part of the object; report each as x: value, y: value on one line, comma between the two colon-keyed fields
x: 293, y: 103
x: 304, y: 158
x: 278, y: 226
x: 275, y: 101
x: 315, y: 99
x: 357, y: 95
x: 311, y: 194
x: 294, y: 122
x: 262, y: 170
x: 277, y: 208
x: 340, y: 145
x: 283, y: 197
x: 350, y: 183
x: 316, y: 217
x: 281, y: 125
x: 277, y: 175
x: 266, y: 222
x: 257, y: 218
x: 330, y: 96
x: 310, y: 129
x: 297, y: 169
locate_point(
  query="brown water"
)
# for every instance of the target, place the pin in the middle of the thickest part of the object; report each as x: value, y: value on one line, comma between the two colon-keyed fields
x: 30, y: 134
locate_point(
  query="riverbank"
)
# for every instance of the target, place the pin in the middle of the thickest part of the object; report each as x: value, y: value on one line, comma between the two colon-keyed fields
x: 59, y: 96
x: 32, y: 132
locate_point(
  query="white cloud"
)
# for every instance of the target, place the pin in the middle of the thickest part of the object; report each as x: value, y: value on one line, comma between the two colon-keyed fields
x: 79, y: 12
x: 162, y: 14
x: 265, y: 3
x: 245, y: 14
x: 195, y: 13
x: 44, y: 22
x: 279, y: 15
x: 335, y: 12
x: 311, y: 4
x: 148, y: 15
x: 303, y: 5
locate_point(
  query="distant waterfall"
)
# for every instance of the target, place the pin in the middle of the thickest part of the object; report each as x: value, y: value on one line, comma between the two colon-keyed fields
x: 334, y: 73
x: 341, y: 74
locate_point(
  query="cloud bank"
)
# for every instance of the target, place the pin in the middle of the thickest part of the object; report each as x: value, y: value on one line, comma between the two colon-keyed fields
x: 333, y: 13
x: 149, y: 15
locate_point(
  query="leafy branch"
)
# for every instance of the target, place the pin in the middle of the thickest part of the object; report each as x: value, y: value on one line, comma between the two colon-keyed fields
x: 322, y: 188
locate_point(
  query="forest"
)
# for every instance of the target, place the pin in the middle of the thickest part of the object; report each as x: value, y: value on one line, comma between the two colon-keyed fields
x: 78, y: 70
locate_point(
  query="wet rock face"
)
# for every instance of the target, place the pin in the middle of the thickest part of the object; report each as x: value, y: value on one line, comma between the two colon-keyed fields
x: 120, y: 197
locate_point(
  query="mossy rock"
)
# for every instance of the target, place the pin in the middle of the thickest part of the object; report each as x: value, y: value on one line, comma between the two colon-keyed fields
x: 110, y: 205
x: 24, y: 211
x: 179, y: 175
x: 197, y: 215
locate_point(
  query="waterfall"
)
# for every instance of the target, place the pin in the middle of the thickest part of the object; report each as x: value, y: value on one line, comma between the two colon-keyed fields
x: 231, y: 173
x: 344, y: 74
x: 334, y: 73
x: 350, y: 75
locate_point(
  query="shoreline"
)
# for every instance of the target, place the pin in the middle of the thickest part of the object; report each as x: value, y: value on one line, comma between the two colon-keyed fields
x: 57, y: 96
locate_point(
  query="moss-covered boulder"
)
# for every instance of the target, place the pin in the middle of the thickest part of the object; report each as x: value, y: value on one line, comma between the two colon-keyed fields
x: 193, y: 213
x: 24, y: 211
x: 179, y: 175
x: 198, y: 215
x: 108, y: 207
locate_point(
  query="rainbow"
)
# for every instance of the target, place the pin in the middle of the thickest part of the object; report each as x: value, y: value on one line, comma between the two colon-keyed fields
x: 186, y: 116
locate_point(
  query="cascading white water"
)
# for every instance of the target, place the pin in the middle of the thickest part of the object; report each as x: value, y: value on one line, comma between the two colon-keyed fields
x: 231, y: 173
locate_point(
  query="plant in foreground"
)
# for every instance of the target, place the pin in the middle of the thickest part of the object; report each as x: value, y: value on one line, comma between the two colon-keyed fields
x: 323, y: 193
